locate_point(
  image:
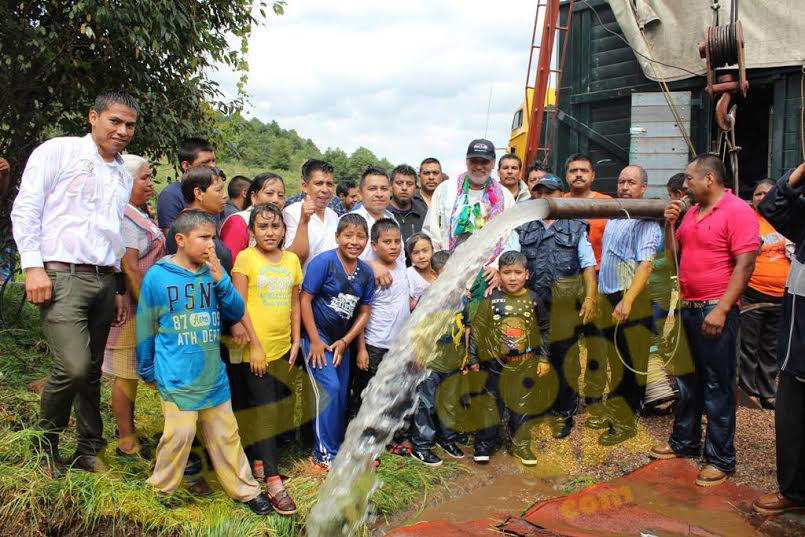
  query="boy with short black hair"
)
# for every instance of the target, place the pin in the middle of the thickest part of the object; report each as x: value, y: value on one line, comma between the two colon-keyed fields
x: 439, y: 260
x: 337, y: 294
x: 508, y: 340
x: 390, y: 308
x: 184, y: 299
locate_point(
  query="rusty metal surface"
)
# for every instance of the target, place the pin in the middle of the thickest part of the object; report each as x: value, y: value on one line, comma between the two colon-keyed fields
x: 605, y: 208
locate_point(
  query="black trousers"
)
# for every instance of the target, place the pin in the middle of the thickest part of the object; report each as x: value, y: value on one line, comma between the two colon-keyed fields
x: 757, y: 356
x: 434, y: 415
x: 517, y: 387
x: 360, y: 378
x: 262, y: 417
x: 789, y: 424
x: 566, y: 329
x: 631, y: 340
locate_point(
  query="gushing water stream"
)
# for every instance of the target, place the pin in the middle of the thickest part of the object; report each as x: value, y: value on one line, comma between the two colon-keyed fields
x: 343, y: 501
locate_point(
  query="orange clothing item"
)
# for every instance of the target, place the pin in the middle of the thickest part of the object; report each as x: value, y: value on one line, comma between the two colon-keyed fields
x: 771, y: 266
x: 597, y: 227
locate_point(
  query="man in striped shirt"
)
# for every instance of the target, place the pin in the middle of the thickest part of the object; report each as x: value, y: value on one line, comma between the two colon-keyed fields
x: 627, y: 252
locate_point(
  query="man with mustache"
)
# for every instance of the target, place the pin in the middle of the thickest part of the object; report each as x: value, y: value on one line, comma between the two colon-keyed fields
x: 628, y: 250
x: 67, y: 221
x: 580, y: 174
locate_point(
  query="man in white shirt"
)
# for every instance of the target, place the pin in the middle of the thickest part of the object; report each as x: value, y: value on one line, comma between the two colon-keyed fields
x: 67, y: 222
x: 464, y: 204
x: 310, y: 224
x: 375, y: 188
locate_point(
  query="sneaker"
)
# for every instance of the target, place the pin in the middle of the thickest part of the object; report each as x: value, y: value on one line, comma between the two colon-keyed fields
x: 451, y: 449
x: 615, y: 436
x: 319, y: 466
x: 525, y: 455
x: 282, y: 503
x: 481, y: 455
x: 426, y: 456
x: 561, y: 427
x: 260, y: 505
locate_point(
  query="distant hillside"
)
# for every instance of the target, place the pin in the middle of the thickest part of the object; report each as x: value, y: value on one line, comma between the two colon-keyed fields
x: 267, y: 146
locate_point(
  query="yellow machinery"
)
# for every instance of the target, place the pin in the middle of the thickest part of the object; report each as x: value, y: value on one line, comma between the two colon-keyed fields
x: 519, y: 133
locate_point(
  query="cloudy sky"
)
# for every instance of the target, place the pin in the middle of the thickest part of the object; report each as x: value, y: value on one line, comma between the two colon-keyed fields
x: 406, y: 79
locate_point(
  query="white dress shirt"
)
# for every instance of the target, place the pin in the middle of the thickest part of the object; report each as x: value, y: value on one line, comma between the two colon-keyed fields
x: 70, y: 205
x: 320, y: 233
x: 368, y: 254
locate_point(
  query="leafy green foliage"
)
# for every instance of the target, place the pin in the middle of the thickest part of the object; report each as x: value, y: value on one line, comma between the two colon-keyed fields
x: 268, y: 146
x: 57, y: 55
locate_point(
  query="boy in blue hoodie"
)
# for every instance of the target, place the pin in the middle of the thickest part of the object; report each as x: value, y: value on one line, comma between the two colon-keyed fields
x: 183, y: 300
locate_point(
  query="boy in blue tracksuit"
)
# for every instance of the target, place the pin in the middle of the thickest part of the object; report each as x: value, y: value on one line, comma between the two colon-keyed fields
x: 336, y: 296
x: 183, y: 300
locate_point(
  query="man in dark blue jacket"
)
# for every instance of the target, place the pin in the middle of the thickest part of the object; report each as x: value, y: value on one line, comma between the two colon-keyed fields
x: 784, y: 208
x: 561, y: 267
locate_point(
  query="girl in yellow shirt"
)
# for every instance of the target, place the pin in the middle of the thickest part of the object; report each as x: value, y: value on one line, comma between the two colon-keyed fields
x: 268, y: 279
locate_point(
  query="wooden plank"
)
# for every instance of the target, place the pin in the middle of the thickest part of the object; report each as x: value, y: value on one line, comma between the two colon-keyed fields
x: 657, y: 113
x: 614, y: 71
x: 594, y: 136
x: 657, y: 145
x: 614, y: 83
x: 679, y: 98
x: 611, y: 57
x: 608, y: 42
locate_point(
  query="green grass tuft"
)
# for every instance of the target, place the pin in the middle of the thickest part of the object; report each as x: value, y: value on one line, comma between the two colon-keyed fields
x: 119, y: 502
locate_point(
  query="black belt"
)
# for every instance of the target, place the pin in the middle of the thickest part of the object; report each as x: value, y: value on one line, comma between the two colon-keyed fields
x: 58, y: 266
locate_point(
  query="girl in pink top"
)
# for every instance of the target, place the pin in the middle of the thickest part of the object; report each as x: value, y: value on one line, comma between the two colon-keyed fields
x: 265, y: 188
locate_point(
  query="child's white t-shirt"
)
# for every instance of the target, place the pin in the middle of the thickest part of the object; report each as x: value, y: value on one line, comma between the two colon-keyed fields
x: 390, y: 309
x: 416, y: 283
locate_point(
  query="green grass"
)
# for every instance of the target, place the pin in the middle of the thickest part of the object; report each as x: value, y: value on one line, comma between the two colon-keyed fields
x: 165, y: 173
x: 579, y: 483
x: 119, y: 501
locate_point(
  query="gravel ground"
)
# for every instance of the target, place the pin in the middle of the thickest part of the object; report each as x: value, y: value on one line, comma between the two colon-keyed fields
x: 754, y: 444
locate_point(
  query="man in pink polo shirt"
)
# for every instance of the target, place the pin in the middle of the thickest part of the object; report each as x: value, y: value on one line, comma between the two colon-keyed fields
x: 717, y: 243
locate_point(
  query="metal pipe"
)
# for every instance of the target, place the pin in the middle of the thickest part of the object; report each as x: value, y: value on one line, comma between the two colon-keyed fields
x: 559, y: 208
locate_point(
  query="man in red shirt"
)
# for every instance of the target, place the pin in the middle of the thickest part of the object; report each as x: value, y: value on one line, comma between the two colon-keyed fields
x: 580, y: 174
x: 717, y: 243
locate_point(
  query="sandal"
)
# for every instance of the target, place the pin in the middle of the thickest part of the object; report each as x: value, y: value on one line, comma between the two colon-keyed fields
x: 399, y: 449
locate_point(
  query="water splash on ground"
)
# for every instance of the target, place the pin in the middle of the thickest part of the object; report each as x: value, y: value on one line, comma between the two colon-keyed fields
x: 343, y: 501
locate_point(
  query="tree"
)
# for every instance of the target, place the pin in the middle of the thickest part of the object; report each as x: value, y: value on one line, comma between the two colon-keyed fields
x: 340, y: 161
x: 56, y: 55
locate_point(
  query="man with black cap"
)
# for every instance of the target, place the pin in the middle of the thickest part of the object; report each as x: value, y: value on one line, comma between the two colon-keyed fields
x: 459, y: 207
x: 561, y: 271
x: 464, y: 204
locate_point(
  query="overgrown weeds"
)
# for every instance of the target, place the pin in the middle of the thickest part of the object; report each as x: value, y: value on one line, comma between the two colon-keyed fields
x: 119, y: 502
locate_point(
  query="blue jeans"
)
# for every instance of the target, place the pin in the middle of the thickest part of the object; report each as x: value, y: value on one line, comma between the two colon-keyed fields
x: 706, y: 381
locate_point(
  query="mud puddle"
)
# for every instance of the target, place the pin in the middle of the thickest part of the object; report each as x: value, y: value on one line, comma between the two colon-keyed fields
x: 502, y: 487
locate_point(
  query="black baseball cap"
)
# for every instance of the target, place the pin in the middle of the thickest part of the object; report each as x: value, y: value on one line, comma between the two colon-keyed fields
x: 481, y: 148
x: 551, y: 182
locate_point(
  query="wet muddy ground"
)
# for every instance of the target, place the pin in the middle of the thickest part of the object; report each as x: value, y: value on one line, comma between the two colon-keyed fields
x: 504, y: 487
